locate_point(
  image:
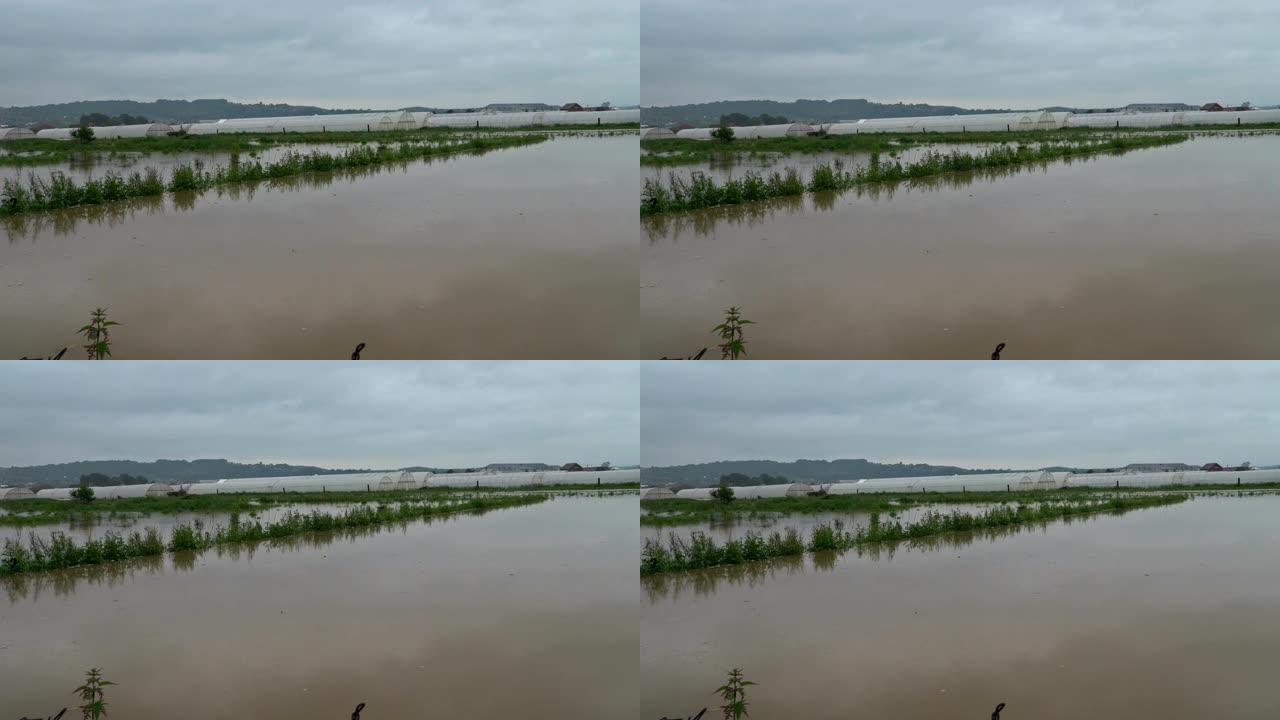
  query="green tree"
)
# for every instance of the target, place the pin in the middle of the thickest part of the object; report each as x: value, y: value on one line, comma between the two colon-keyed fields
x: 723, y: 494
x: 723, y: 134
x: 83, y: 494
x: 82, y: 134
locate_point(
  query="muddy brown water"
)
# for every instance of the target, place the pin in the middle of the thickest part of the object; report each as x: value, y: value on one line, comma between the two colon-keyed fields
x: 1164, y: 252
x: 520, y: 253
x: 1158, y: 613
x: 528, y: 612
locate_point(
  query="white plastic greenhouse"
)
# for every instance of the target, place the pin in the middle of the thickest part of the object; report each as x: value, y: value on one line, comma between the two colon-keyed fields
x: 111, y: 132
x: 15, y: 493
x: 1037, y: 120
x: 656, y: 133
x: 15, y: 133
x: 751, y: 132
x: 656, y: 493
x: 532, y: 119
x: 520, y: 479
x: 751, y: 492
x: 1162, y: 479
x: 347, y: 122
x: 116, y: 491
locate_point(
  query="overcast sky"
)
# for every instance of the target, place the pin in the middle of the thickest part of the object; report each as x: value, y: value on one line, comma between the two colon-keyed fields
x: 369, y: 414
x: 1020, y: 53
x: 388, y: 54
x: 973, y: 414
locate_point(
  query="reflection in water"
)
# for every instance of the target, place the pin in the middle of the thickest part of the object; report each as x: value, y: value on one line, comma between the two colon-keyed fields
x: 64, y: 582
x: 704, y: 582
x: 705, y: 222
x: 30, y: 226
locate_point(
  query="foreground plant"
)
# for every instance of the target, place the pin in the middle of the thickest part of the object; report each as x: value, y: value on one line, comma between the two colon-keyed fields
x: 734, y: 694
x: 98, y: 335
x: 730, y: 331
x: 93, y: 693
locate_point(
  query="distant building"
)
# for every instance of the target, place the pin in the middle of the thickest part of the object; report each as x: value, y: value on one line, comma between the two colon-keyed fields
x: 519, y: 107
x: 575, y: 467
x: 518, y: 467
x: 571, y: 467
x: 572, y: 107
x: 1212, y: 467
x: 1158, y: 107
x: 1212, y: 107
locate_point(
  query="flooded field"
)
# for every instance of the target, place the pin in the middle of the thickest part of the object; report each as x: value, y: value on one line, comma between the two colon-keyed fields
x: 763, y: 522
x: 516, y: 253
x: 1165, y: 613
x: 1164, y: 252
x: 426, y: 618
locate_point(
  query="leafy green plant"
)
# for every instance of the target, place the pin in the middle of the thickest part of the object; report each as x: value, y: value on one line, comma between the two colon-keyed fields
x: 723, y: 494
x: 82, y: 134
x: 83, y: 494
x: 98, y: 335
x: 730, y: 331
x: 723, y: 134
x: 93, y: 693
x: 734, y: 694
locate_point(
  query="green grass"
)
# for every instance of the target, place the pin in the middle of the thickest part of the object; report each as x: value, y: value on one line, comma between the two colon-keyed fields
x: 60, y: 551
x: 40, y: 511
x: 675, y: 151
x: 60, y: 191
x: 701, y: 551
x: 702, y: 191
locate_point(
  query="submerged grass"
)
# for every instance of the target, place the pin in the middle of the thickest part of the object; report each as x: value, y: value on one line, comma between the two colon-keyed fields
x: 60, y: 191
x: 701, y: 551
x: 59, y: 551
x: 701, y: 191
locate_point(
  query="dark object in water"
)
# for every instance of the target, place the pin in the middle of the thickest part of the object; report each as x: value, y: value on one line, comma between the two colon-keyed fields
x: 695, y: 717
x: 51, y: 717
x: 360, y: 708
x: 996, y: 355
x: 356, y: 355
x: 61, y: 352
x: 701, y: 352
x: 999, y: 708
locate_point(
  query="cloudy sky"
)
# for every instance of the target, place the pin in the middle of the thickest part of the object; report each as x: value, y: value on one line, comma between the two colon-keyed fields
x: 1018, y: 53
x: 368, y: 414
x: 386, y: 54
x: 980, y: 414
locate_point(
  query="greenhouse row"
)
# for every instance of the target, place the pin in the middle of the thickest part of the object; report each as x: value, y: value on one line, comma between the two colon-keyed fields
x: 987, y: 122
x: 985, y: 482
x: 348, y: 122
x: 345, y: 482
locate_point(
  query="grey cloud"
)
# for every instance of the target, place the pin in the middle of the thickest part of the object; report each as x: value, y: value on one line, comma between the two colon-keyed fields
x: 972, y: 414
x: 383, y: 414
x: 1028, y: 53
x: 389, y: 54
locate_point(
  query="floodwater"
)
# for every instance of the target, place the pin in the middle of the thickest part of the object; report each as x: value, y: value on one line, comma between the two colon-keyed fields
x: 739, y: 525
x: 527, y: 612
x: 1161, y: 613
x: 1164, y: 252
x: 521, y: 252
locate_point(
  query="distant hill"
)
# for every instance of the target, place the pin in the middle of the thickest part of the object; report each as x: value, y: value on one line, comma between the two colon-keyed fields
x: 818, y: 471
x: 809, y: 111
x: 170, y: 471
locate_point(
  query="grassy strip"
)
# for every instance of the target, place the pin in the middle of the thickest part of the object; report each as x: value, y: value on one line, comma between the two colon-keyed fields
x: 46, y: 152
x: 701, y: 191
x: 60, y: 191
x: 674, y: 151
x: 702, y: 551
x: 40, y: 511
x: 60, y: 551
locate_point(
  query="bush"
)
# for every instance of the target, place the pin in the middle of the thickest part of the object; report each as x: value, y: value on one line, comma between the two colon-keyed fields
x: 84, y: 494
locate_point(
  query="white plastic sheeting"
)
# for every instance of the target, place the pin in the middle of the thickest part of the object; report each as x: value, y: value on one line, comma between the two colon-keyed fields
x: 109, y: 493
x: 751, y: 492
x: 1162, y: 479
x: 520, y: 479
x: 1173, y: 119
x: 15, y: 493
x: 986, y: 122
x: 344, y: 482
x: 656, y: 493
x: 347, y: 122
x: 111, y: 132
x: 751, y: 132
x: 656, y: 133
x: 533, y: 119
x: 15, y: 133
